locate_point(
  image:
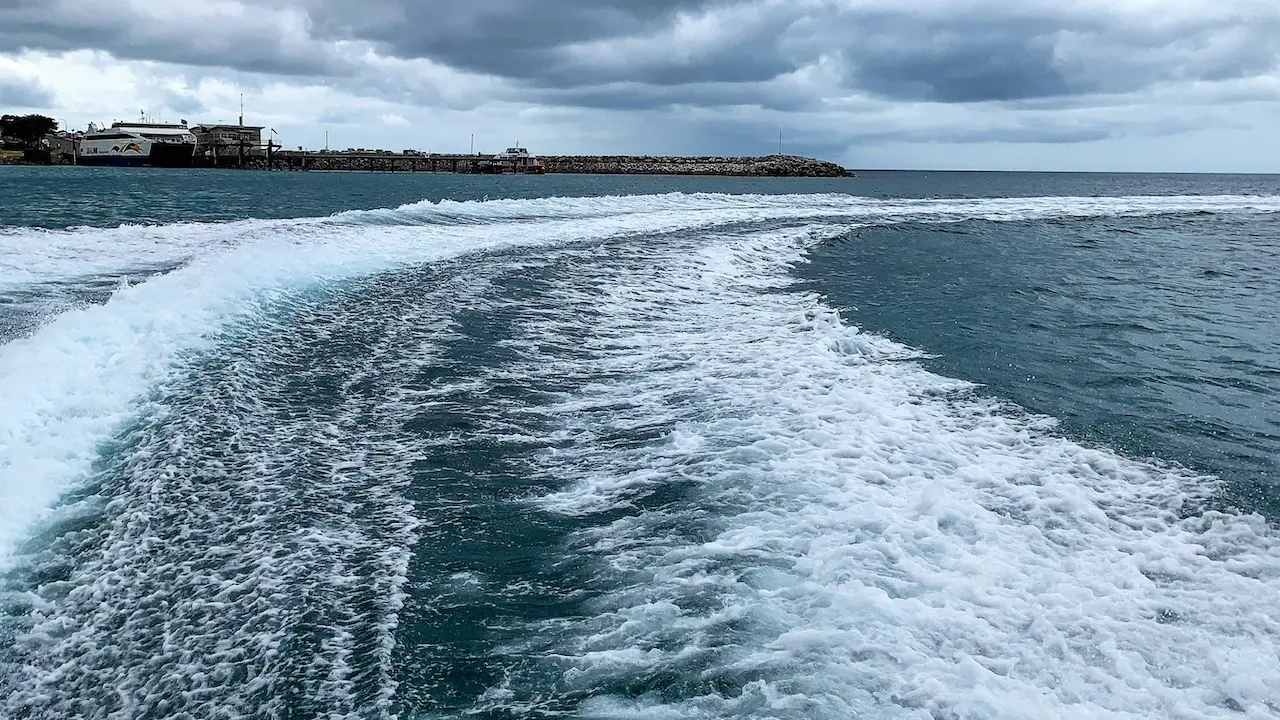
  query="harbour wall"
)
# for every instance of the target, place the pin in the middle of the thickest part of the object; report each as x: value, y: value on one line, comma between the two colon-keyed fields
x: 758, y: 166
x: 746, y: 166
x: 767, y: 165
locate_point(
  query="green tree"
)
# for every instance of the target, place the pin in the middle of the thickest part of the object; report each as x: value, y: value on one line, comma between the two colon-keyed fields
x: 27, y: 129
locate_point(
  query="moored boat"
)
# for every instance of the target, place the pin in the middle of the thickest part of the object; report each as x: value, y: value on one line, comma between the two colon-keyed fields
x: 138, y: 144
x: 516, y: 160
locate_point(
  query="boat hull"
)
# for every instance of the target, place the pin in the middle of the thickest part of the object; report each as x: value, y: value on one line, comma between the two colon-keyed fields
x: 171, y: 155
x: 112, y: 160
x: 168, y: 155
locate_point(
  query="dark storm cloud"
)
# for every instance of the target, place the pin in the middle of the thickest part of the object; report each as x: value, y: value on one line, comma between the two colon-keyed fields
x: 192, y: 33
x: 905, y: 58
x: 972, y: 72
x: 938, y: 52
x: 635, y: 54
x: 1042, y: 52
x: 15, y: 93
x: 508, y: 38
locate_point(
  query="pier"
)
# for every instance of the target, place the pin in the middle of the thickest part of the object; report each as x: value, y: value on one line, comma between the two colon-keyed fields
x: 731, y: 165
x: 386, y: 161
x: 481, y: 163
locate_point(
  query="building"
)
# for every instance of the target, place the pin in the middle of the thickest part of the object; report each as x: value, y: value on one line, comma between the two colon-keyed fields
x: 64, y: 144
x: 220, y: 143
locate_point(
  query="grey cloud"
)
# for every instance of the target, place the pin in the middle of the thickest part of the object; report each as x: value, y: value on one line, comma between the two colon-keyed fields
x: 341, y: 117
x: 252, y: 44
x: 1048, y: 134
x: 1041, y: 52
x: 894, y: 58
x: 761, y: 137
x: 1124, y: 60
x: 641, y: 96
x: 182, y: 103
x: 16, y: 93
x: 509, y: 38
x: 623, y: 55
x: 896, y: 49
x: 936, y: 52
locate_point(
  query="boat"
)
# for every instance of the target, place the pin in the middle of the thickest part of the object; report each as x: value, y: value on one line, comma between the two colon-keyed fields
x: 137, y: 144
x: 516, y: 160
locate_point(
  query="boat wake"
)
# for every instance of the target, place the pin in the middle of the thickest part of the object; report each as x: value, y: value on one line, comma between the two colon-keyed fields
x: 597, y: 456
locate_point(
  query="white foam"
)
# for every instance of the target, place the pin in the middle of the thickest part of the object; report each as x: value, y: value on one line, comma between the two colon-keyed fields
x: 894, y: 546
x: 271, y: 548
x: 863, y: 538
x: 31, y: 256
x: 66, y: 388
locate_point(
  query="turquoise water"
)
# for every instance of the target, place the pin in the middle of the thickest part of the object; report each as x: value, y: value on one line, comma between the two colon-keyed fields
x: 916, y: 445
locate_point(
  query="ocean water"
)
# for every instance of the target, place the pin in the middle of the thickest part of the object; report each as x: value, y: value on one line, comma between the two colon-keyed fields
x: 907, y: 445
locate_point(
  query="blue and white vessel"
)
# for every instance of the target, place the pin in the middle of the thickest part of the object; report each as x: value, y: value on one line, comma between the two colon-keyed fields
x: 137, y: 144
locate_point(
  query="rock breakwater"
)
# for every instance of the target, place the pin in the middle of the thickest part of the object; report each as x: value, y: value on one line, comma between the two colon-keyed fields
x: 766, y: 165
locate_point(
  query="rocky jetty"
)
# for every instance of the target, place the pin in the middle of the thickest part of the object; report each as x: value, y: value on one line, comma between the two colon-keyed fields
x: 767, y: 165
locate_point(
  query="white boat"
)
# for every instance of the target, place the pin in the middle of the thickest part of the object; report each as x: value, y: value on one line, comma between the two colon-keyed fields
x: 516, y: 160
x: 137, y: 144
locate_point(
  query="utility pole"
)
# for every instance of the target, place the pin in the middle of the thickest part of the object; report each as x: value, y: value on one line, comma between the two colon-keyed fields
x: 779, y: 142
x: 473, y: 143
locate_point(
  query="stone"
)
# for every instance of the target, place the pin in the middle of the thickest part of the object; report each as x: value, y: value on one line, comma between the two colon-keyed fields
x: 767, y: 165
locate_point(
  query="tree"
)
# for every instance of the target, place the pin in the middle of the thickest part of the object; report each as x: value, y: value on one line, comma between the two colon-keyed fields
x: 27, y: 129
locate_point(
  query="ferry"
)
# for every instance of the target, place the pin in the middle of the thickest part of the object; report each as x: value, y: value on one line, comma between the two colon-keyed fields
x: 516, y: 160
x: 137, y: 144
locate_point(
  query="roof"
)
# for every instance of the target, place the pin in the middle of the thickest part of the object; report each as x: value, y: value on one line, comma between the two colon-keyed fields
x: 230, y: 126
x: 149, y: 129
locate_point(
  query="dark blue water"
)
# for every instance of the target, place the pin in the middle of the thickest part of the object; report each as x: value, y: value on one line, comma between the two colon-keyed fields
x: 1159, y: 337
x: 907, y: 445
x: 62, y: 197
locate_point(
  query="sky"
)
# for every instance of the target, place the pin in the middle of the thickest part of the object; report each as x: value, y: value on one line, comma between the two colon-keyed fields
x: 1108, y: 85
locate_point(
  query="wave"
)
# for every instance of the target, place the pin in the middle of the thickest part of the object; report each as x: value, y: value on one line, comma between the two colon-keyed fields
x: 862, y: 537
x: 29, y: 256
x: 66, y: 387
x: 850, y: 533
